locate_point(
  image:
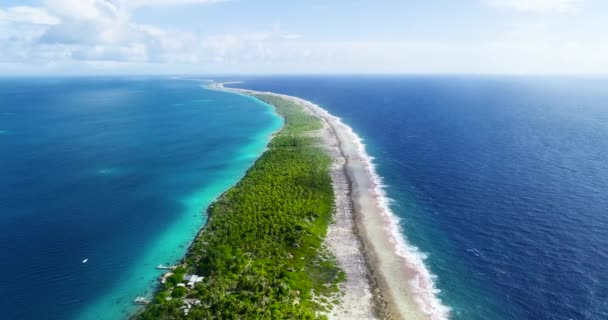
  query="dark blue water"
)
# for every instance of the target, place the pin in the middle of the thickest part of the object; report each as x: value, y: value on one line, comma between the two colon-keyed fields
x: 114, y: 170
x: 503, y: 181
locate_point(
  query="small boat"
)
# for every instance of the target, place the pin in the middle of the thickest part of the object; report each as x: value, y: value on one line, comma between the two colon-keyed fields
x: 85, y: 260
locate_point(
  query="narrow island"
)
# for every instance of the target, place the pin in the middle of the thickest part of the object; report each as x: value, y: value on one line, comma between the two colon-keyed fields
x: 305, y: 234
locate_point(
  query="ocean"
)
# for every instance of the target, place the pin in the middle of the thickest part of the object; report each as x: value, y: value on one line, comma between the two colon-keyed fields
x: 118, y: 171
x: 500, y: 182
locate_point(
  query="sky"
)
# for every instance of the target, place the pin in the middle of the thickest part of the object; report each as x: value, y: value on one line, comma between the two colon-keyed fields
x: 91, y: 37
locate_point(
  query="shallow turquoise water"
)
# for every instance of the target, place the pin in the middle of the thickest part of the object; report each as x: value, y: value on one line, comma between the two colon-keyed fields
x: 117, y: 171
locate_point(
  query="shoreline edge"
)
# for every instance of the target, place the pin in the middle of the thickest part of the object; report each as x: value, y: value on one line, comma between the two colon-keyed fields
x: 386, y: 277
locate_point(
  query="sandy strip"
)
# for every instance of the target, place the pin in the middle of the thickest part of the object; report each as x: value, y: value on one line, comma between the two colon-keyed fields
x: 357, y: 300
x: 387, y: 277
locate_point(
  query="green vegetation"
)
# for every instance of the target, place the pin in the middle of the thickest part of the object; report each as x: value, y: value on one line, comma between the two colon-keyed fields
x: 261, y: 252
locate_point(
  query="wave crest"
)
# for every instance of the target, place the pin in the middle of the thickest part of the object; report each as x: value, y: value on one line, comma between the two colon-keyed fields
x: 422, y: 283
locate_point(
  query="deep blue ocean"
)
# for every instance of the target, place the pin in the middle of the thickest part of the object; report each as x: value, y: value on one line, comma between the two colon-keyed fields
x: 502, y: 181
x: 118, y: 171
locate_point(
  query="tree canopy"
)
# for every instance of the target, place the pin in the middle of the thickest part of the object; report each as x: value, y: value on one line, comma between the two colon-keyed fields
x: 261, y: 251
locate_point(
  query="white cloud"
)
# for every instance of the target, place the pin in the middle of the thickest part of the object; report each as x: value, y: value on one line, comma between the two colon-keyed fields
x: 149, y: 3
x: 101, y: 34
x: 87, y: 30
x: 523, y: 49
x: 535, y: 5
x: 85, y: 9
x: 31, y: 15
x: 291, y: 36
x: 103, y: 31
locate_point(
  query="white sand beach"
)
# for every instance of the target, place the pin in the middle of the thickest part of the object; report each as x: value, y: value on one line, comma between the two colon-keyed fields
x: 386, y: 277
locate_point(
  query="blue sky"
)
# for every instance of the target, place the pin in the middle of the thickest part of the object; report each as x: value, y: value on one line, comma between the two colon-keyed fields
x: 275, y: 37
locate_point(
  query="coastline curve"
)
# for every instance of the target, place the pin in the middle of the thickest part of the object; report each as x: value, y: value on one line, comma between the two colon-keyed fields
x: 390, y: 257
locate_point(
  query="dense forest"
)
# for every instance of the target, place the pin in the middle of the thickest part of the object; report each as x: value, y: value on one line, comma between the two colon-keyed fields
x: 261, y: 252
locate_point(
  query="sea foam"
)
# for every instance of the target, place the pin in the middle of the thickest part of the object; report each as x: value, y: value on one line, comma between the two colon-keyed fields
x: 422, y: 283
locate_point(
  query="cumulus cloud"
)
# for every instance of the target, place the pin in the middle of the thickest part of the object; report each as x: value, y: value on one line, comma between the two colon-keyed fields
x: 86, y: 9
x: 102, y: 31
x: 535, y: 5
x: 25, y: 14
x: 102, y: 34
x: 149, y: 3
x: 86, y: 30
